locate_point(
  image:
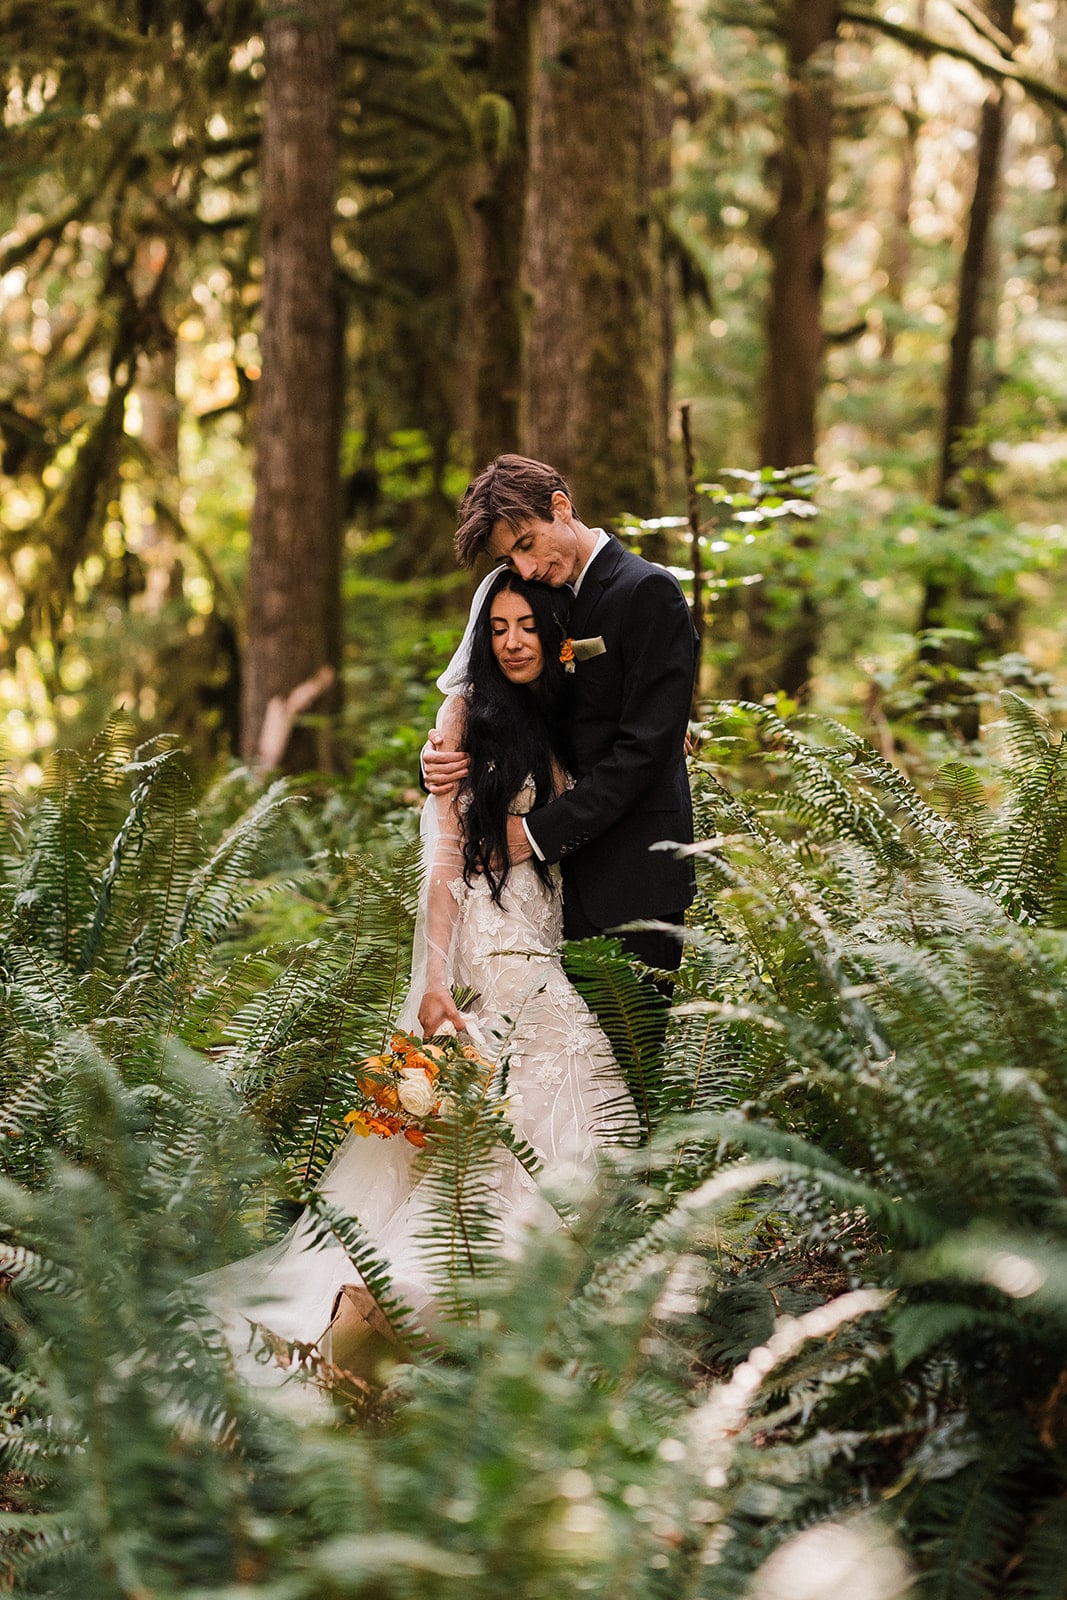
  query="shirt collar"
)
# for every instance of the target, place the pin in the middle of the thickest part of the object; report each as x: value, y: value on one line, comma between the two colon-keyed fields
x: 602, y: 539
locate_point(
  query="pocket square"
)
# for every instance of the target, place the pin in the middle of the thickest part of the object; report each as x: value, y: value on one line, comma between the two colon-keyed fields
x: 586, y: 649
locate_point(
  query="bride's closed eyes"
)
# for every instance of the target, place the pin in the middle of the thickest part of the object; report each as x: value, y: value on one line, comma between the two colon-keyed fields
x: 525, y: 624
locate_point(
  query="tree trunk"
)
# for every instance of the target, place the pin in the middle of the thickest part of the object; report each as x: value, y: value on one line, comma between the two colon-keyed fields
x: 156, y: 390
x: 971, y: 305
x: 593, y: 370
x: 501, y: 209
x: 293, y: 594
x: 660, y: 13
x: 797, y: 239
x: 781, y: 657
x: 898, y: 253
x: 947, y: 600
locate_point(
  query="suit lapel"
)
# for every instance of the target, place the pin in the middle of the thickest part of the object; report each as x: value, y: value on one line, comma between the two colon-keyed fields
x: 594, y: 583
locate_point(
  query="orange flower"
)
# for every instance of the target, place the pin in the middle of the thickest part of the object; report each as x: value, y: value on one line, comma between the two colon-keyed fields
x: 472, y: 1055
x: 416, y: 1137
x: 566, y: 651
x: 365, y: 1122
x: 384, y: 1127
x: 418, y: 1059
x: 401, y: 1045
x: 383, y: 1094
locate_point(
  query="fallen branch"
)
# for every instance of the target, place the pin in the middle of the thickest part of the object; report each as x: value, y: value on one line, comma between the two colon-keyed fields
x: 282, y: 711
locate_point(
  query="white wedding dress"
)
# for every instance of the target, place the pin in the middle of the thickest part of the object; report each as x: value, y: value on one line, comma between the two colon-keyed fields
x: 565, y: 1097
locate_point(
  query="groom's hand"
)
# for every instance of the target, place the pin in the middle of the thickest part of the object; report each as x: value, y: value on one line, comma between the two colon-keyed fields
x: 442, y: 769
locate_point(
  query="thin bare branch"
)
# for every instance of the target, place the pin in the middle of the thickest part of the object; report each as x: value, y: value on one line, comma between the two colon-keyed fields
x: 51, y: 228
x: 998, y: 68
x: 982, y: 24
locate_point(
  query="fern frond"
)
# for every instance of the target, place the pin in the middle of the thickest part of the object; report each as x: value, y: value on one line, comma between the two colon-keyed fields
x: 1029, y: 732
x: 960, y: 793
x: 77, y: 814
x: 1033, y: 832
x: 821, y: 795
x: 965, y: 1526
x: 631, y: 1013
x: 31, y: 1270
x: 459, y: 1173
x: 216, y: 894
x: 1042, y: 1572
x: 164, y: 850
x: 921, y: 1326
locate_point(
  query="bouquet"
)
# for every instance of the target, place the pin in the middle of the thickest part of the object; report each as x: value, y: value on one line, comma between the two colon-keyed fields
x: 405, y: 1088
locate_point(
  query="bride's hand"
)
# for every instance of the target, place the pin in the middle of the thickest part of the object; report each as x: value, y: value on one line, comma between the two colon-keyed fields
x: 436, y: 1007
x: 519, y: 846
x: 442, y: 770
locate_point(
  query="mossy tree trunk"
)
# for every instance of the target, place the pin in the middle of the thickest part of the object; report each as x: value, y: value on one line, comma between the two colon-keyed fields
x: 593, y: 373
x: 293, y: 585
x: 501, y: 209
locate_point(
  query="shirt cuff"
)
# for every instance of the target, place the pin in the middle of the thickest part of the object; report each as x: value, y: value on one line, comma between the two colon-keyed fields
x: 534, y: 846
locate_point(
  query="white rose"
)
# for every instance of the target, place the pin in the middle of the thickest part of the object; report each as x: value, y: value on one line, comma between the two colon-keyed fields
x: 415, y: 1092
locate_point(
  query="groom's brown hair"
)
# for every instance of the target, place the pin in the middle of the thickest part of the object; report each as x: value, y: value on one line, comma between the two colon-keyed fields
x: 512, y: 489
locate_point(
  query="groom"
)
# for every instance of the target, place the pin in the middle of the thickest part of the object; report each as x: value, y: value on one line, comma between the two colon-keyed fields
x: 635, y: 650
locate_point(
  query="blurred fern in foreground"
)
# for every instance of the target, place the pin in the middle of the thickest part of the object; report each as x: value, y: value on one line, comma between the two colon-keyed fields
x: 831, y: 1284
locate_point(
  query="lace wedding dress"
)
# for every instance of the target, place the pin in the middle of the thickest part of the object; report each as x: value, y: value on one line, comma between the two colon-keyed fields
x: 565, y: 1096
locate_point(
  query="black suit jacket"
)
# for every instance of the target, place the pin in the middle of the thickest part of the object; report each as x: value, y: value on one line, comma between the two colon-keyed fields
x: 629, y: 712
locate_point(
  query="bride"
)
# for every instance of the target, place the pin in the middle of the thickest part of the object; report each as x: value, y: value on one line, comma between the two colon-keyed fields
x: 485, y: 928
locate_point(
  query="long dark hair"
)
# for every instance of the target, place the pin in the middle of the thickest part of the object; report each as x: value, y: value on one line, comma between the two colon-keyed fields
x: 513, y: 731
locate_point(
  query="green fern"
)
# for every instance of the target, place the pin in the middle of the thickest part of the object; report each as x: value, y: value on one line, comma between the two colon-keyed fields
x: 863, y: 1090
x: 463, y: 1236
x: 632, y: 1014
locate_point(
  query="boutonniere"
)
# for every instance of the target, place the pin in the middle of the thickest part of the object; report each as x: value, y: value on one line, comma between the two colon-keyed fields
x: 572, y: 650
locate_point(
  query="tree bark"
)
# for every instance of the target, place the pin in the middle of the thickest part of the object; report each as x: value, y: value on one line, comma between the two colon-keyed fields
x: 797, y: 239
x: 593, y: 372
x: 947, y: 600
x: 293, y: 585
x: 781, y: 657
x: 898, y: 252
x: 971, y: 302
x: 501, y: 211
x: 660, y: 13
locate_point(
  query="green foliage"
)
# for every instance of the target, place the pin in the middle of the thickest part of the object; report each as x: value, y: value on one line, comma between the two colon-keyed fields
x: 900, y: 1023
x: 132, y: 285
x: 831, y: 1277
x: 123, y: 909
